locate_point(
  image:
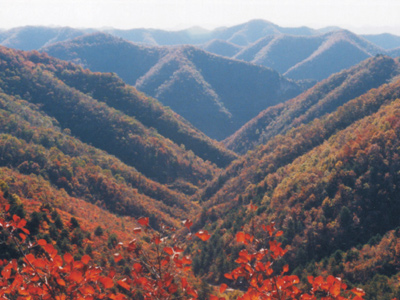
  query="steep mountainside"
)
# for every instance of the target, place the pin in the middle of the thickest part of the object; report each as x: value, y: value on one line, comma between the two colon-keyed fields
x: 48, y: 165
x: 216, y: 94
x: 101, y: 110
x: 331, y: 184
x: 323, y: 98
x: 310, y: 57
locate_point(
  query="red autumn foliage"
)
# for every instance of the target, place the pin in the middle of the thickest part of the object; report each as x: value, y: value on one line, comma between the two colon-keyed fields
x: 156, y: 273
x: 263, y: 282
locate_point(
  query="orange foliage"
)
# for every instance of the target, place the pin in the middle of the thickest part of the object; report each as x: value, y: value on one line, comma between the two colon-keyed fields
x: 256, y: 268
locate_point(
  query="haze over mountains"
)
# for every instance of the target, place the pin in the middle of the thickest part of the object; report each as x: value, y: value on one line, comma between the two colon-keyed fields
x: 216, y: 94
x: 295, y: 52
x: 243, y: 34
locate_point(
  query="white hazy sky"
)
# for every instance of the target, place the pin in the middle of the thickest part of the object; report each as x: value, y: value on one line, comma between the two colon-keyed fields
x: 360, y: 16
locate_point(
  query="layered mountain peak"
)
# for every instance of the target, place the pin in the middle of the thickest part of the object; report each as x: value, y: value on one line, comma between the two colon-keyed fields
x: 216, y: 94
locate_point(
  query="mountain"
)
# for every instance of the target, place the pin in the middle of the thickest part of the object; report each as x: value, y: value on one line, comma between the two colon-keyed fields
x: 309, y: 57
x: 249, y: 32
x: 101, y: 110
x: 321, y: 99
x: 45, y: 164
x: 295, y: 52
x: 330, y: 185
x: 385, y: 40
x: 240, y: 35
x: 36, y: 37
x: 216, y: 94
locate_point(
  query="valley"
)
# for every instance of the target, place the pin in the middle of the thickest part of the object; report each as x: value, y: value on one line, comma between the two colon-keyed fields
x: 161, y: 159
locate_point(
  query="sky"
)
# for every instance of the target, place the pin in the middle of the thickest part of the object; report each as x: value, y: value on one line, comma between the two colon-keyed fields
x: 360, y: 16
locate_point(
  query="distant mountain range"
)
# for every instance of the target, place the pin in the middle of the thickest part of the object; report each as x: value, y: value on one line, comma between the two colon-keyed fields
x: 35, y: 37
x: 296, y: 53
x: 216, y: 94
x: 309, y: 57
x: 385, y: 40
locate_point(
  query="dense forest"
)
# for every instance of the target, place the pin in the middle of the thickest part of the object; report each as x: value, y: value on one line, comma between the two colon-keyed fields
x: 106, y: 193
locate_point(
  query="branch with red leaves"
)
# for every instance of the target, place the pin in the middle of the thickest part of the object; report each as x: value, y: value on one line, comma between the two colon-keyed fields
x: 161, y: 271
x: 255, y: 267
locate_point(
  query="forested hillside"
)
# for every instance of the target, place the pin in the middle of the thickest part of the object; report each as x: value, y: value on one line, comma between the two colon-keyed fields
x: 33, y: 76
x: 323, y: 98
x: 216, y: 94
x: 331, y: 185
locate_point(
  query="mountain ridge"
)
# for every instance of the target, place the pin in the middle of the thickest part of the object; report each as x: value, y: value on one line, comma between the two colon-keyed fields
x: 317, y: 101
x: 183, y: 77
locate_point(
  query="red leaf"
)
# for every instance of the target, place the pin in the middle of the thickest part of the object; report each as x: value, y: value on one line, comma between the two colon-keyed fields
x: 85, y: 259
x: 187, y: 223
x: 222, y: 288
x: 168, y: 250
x: 229, y: 276
x: 253, y: 207
x: 42, y: 242
x: 157, y: 240
x: 203, y: 235
x: 186, y: 260
x: 184, y: 283
x: 286, y: 269
x: 137, y: 267
x: 50, y: 250
x: 117, y: 257
x: 143, y: 221
x: 61, y: 281
x: 123, y: 284
x: 22, y: 236
x: 165, y: 261
x: 279, y: 233
x: 76, y: 276
x: 241, y: 237
x: 68, y: 258
x: 106, y: 282
x: 21, y: 223
x: 7, y: 208
x: 87, y: 290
